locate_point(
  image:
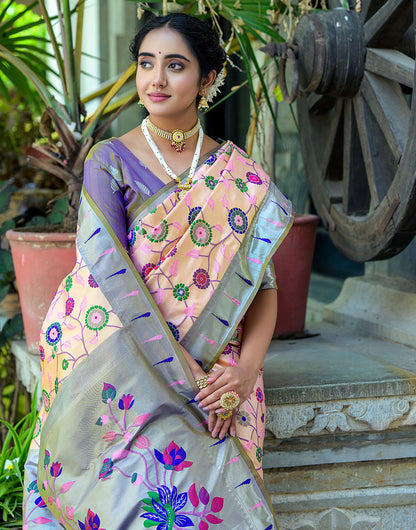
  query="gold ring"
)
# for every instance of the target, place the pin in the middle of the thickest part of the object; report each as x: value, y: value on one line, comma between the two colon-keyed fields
x: 230, y: 400
x: 225, y: 415
x: 202, y: 382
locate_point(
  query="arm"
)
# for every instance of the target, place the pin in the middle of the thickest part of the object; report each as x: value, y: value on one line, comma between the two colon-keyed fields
x: 258, y: 331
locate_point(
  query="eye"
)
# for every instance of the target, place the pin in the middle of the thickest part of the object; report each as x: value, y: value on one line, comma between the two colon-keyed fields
x: 176, y: 66
x: 145, y: 64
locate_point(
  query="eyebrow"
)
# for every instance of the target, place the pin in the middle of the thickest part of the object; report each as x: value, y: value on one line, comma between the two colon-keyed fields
x: 170, y: 56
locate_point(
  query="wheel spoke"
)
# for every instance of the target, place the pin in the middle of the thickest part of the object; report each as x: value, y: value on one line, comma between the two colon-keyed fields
x: 378, y: 159
x: 368, y: 8
x: 389, y: 23
x: 356, y: 199
x: 331, y: 162
x: 391, y: 64
x: 390, y: 109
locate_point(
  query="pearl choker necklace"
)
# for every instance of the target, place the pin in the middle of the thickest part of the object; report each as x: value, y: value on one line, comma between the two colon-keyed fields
x: 177, y: 137
x: 183, y: 186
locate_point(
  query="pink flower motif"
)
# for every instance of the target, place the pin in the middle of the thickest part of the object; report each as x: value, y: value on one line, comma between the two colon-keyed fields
x: 58, y: 503
x: 157, y: 230
x: 69, y: 512
x: 253, y: 178
x: 142, y: 442
x: 259, y: 395
x: 138, y: 480
x: 126, y: 402
x: 69, y: 306
x: 104, y: 419
x: 109, y: 436
x: 238, y: 220
x: 173, y: 457
x: 200, y: 232
x: 56, y: 469
x: 127, y: 436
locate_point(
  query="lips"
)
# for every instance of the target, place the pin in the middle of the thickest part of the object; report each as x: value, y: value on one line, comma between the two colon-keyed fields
x: 158, y: 96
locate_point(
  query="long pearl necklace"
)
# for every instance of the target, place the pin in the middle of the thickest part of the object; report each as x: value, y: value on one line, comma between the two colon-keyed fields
x: 184, y: 186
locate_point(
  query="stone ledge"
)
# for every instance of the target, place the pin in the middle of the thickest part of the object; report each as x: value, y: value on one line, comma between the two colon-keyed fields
x: 337, y: 364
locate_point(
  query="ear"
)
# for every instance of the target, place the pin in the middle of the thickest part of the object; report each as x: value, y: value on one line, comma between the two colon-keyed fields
x: 207, y: 81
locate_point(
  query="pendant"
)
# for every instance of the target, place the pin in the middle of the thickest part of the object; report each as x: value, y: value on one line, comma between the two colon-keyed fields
x: 178, y: 140
x: 184, y: 190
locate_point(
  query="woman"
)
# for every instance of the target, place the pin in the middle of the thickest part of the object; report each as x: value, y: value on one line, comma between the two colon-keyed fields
x: 152, y: 351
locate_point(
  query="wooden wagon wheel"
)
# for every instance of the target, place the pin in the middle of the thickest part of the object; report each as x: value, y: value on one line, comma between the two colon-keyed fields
x: 357, y: 124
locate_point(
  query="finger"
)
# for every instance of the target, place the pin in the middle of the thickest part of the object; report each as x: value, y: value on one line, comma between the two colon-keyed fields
x: 215, y: 374
x: 224, y: 429
x: 212, y: 419
x: 217, y: 426
x: 233, y: 425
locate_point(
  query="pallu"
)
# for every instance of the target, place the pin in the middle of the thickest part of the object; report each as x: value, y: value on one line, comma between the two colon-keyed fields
x: 120, y: 442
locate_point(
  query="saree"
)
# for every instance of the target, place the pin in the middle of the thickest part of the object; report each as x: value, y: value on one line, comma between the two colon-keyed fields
x: 120, y: 442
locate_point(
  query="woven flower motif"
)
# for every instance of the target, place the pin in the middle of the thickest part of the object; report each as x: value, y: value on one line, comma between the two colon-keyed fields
x: 41, y: 353
x: 241, y: 185
x: 228, y: 350
x: 253, y: 178
x: 38, y: 425
x: 259, y: 454
x: 238, y: 221
x: 201, y: 278
x: 201, y: 233
x: 46, y: 400
x: 131, y: 237
x: 68, y: 283
x: 147, y: 268
x: 65, y: 364
x: 53, y: 334
x: 91, y: 282
x: 181, y: 291
x: 210, y: 182
x: 69, y: 306
x: 159, y: 232
x: 96, y: 318
x: 107, y: 469
x: 193, y: 214
x: 243, y: 418
x: 174, y: 330
x: 259, y: 395
x: 211, y: 160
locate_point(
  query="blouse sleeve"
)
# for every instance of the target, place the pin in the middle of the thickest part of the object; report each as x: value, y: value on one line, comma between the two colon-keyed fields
x: 269, y: 278
x: 103, y: 181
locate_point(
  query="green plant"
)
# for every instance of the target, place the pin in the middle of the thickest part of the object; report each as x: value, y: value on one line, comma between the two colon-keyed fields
x: 68, y: 131
x: 17, y: 26
x: 13, y: 455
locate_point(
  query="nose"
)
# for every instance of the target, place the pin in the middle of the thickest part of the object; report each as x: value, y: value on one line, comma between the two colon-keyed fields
x: 159, y: 78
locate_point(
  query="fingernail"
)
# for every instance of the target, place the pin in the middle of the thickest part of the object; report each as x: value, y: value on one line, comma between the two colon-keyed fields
x: 197, y: 398
x: 217, y: 411
x: 203, y: 408
x: 232, y: 432
x: 209, y: 380
x: 200, y: 405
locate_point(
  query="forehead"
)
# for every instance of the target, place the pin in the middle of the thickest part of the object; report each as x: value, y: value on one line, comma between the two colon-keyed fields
x: 167, y: 41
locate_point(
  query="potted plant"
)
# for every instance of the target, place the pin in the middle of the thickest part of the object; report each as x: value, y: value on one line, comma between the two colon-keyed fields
x: 68, y: 135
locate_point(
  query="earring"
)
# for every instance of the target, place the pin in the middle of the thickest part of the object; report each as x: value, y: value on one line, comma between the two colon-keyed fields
x: 140, y: 103
x: 203, y: 103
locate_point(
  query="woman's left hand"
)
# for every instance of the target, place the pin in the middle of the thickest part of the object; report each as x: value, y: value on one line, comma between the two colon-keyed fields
x: 239, y: 378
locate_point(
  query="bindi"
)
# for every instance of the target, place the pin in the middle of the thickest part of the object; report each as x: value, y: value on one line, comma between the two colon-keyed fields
x: 159, y: 53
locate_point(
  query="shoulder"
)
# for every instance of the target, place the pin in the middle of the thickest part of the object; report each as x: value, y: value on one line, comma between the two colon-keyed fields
x: 103, y: 151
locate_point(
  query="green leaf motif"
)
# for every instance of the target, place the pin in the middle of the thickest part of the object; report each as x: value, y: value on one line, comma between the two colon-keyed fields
x: 109, y: 393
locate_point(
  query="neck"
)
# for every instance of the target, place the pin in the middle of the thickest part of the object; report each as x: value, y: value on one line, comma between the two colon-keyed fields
x: 185, y: 123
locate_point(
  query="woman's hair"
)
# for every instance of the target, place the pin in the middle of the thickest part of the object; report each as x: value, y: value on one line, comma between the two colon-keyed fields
x: 199, y: 36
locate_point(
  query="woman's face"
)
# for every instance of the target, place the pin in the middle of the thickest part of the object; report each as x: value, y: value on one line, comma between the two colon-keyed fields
x: 168, y: 76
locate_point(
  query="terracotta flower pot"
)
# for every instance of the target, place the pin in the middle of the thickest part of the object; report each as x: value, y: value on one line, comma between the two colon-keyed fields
x: 293, y: 265
x: 41, y: 261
